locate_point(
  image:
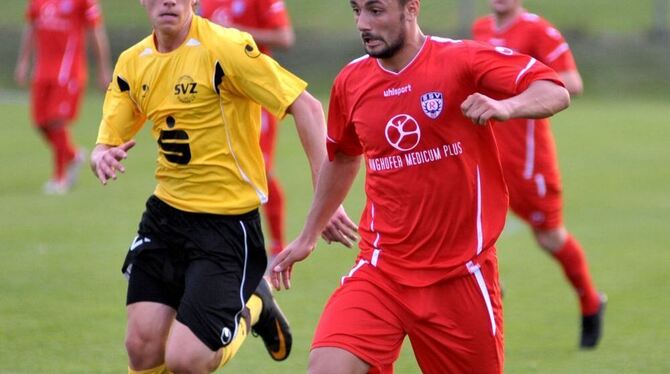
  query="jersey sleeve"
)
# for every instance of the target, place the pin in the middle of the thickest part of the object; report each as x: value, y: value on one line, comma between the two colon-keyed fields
x: 92, y: 13
x: 552, y: 49
x: 342, y: 135
x: 121, y: 118
x: 501, y: 73
x: 274, y: 14
x: 250, y: 73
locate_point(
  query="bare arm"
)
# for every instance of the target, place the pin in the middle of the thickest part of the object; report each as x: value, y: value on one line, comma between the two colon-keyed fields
x: 283, y: 37
x: 310, y: 123
x: 101, y: 45
x: 334, y: 183
x: 23, y: 60
x: 540, y: 100
x: 573, y: 82
x: 106, y: 160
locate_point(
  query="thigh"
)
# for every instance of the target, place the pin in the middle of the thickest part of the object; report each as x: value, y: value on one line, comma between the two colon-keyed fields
x: 221, y: 275
x: 459, y: 326
x: 362, y: 318
x: 40, y: 103
x: 149, y: 323
x: 538, y: 200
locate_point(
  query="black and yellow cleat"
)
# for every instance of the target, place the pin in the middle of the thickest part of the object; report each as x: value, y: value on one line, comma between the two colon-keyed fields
x: 272, y: 325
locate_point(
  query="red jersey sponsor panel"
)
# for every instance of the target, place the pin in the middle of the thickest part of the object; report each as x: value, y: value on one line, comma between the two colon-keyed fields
x: 528, y: 145
x: 436, y: 197
x: 59, y: 27
x: 261, y: 14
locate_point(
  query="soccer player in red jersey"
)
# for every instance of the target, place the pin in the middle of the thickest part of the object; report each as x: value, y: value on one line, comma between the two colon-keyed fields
x: 56, y: 31
x: 528, y: 153
x: 417, y: 110
x: 269, y: 24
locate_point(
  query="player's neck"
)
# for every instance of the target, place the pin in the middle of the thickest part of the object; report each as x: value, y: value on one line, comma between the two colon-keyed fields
x: 503, y: 20
x: 405, y: 55
x: 166, y: 42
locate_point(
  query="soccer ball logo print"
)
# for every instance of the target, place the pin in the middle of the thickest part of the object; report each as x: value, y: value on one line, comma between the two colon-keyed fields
x: 403, y: 132
x: 432, y: 104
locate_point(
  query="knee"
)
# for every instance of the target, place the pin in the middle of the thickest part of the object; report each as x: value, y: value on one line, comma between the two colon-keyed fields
x: 551, y: 240
x: 185, y: 362
x: 144, y: 352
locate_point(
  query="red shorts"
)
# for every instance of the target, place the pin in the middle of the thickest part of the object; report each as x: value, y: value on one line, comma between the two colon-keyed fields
x: 536, y: 200
x: 455, y: 326
x: 51, y: 101
x: 268, y: 138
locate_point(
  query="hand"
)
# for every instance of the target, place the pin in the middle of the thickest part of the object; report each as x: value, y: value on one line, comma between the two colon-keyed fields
x: 105, y: 161
x: 480, y: 109
x: 340, y: 229
x: 282, y: 265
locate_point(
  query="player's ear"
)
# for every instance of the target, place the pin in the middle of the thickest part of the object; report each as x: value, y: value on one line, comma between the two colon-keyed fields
x: 412, y: 8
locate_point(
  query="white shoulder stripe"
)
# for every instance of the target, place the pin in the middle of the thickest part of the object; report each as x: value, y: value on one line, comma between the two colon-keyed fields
x: 445, y: 40
x: 358, y: 59
x: 328, y: 138
x: 556, y: 53
x: 525, y: 70
x: 192, y: 43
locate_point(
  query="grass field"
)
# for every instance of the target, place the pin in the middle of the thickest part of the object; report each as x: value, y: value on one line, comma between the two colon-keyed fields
x: 62, y: 294
x: 594, y: 15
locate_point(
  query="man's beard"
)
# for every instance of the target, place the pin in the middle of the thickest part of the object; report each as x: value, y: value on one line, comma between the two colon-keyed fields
x: 390, y: 50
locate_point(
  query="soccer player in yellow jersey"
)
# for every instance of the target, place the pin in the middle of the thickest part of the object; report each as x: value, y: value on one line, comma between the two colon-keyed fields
x: 196, y: 264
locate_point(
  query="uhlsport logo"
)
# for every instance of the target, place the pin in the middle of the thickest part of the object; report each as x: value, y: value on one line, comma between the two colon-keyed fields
x: 432, y: 104
x: 403, y: 132
x: 186, y: 89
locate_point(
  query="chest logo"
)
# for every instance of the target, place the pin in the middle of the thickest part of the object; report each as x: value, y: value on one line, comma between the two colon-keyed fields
x: 186, y: 89
x: 432, y: 104
x: 403, y: 132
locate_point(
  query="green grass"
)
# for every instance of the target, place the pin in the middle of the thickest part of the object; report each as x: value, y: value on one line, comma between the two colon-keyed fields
x: 594, y: 15
x: 62, y: 294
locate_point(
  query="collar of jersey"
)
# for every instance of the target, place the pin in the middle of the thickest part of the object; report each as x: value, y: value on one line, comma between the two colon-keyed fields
x: 184, y: 44
x: 409, y: 64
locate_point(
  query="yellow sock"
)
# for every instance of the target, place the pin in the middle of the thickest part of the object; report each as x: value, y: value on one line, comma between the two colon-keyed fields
x: 157, y: 370
x: 255, y: 305
x: 231, y: 349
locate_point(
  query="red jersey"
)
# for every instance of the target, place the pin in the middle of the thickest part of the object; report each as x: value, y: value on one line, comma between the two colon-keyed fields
x: 527, y: 146
x: 59, y: 27
x: 260, y: 14
x: 436, y: 197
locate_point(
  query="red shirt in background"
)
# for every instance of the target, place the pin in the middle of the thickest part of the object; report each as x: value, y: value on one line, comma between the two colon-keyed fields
x: 527, y: 146
x: 261, y: 14
x: 59, y: 27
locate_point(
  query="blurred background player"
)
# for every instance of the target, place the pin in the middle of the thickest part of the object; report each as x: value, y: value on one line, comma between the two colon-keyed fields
x: 56, y: 32
x: 528, y: 153
x: 268, y: 23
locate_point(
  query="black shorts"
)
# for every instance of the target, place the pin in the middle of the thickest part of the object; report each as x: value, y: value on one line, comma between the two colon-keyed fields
x: 205, y: 266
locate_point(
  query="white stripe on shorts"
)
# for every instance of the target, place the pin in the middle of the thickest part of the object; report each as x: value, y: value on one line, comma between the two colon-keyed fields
x: 476, y: 271
x: 355, y: 269
x: 226, y: 336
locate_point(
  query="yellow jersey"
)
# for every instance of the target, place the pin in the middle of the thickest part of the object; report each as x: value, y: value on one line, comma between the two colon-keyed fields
x: 204, y: 101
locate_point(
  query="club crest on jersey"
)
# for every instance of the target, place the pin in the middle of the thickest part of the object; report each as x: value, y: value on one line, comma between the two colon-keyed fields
x: 432, y: 104
x: 186, y: 89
